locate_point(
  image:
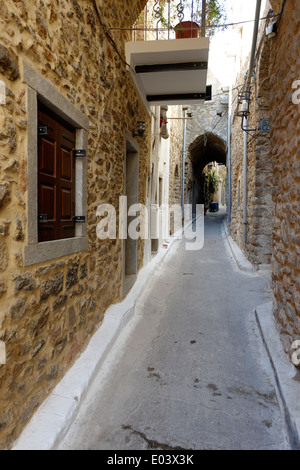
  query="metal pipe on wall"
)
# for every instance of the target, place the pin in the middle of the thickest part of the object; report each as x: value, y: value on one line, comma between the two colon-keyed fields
x: 254, y: 41
x: 245, y: 189
x: 229, y: 154
x: 247, y: 88
x: 203, y: 19
x: 183, y: 162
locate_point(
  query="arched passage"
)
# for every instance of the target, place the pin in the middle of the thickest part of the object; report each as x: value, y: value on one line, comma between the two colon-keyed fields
x: 206, y: 148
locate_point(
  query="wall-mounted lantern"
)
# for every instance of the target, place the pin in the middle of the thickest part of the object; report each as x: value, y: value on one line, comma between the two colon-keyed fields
x: 271, y: 29
x: 163, y: 122
x: 244, y: 103
x: 140, y: 129
x: 244, y: 111
x: 244, y: 108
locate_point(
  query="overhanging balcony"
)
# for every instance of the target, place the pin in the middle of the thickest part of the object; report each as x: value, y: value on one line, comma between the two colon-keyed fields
x: 169, y: 72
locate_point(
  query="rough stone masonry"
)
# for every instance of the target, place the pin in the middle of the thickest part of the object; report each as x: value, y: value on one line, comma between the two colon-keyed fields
x: 49, y: 310
x: 273, y: 169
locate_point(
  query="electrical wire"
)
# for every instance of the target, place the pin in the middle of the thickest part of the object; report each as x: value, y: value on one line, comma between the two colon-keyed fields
x: 106, y: 32
x: 235, y: 88
x: 220, y: 120
x: 226, y: 25
x: 109, y: 36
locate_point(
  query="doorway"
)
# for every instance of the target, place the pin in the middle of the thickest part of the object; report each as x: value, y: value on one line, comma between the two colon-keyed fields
x: 131, y: 180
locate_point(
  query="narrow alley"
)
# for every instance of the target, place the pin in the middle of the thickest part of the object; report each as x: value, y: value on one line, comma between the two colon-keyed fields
x: 193, y: 373
x: 122, y: 123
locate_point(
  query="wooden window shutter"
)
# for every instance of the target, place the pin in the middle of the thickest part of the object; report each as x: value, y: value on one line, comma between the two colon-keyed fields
x: 56, y: 177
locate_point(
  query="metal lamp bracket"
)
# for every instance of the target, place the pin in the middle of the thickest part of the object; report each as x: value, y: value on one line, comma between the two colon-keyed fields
x: 264, y: 126
x: 245, y: 128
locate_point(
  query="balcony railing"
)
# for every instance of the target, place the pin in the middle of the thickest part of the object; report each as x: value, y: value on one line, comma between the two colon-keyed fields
x: 167, y: 71
x: 170, y: 19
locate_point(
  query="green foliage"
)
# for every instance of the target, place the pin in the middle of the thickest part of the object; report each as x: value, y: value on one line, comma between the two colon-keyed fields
x: 160, y: 14
x: 215, y: 15
x: 206, y: 192
x: 211, y: 185
x: 213, y: 182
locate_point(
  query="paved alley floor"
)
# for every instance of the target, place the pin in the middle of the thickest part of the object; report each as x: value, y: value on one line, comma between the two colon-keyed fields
x: 193, y: 373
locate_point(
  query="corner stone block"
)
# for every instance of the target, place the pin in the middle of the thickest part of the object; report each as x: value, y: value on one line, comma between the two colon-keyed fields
x: 52, y: 286
x: 18, y: 309
x: 8, y: 66
x: 4, y: 194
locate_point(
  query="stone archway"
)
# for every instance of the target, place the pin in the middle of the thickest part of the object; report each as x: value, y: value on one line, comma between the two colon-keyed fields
x: 206, y: 148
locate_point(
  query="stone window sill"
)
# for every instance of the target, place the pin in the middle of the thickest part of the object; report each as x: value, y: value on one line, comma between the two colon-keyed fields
x: 47, y: 251
x: 40, y: 90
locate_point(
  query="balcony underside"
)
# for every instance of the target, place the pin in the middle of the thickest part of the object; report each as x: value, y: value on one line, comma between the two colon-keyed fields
x: 169, y: 72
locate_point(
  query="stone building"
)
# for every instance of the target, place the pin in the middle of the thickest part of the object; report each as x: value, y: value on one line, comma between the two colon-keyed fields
x: 69, y: 111
x: 265, y: 162
x: 70, y: 146
x: 164, y: 181
x: 207, y: 129
x: 65, y: 86
x: 165, y: 177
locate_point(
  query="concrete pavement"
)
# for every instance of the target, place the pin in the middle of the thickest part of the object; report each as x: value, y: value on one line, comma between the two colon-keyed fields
x: 192, y: 372
x: 186, y: 361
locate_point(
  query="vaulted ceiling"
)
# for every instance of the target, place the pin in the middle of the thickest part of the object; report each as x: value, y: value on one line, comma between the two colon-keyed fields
x: 205, y: 149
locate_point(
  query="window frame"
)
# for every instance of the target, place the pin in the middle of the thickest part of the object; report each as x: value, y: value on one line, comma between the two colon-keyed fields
x: 60, y: 134
x: 40, y: 90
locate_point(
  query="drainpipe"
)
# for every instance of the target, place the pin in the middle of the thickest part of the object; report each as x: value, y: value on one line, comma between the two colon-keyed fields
x: 229, y: 154
x: 203, y: 19
x: 247, y: 88
x: 183, y: 161
x: 245, y: 184
x: 254, y: 40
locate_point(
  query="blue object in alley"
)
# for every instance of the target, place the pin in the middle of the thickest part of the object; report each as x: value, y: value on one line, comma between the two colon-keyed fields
x: 213, y: 206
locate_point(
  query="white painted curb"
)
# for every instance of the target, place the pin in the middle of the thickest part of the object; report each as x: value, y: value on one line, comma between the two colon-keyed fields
x: 286, y: 375
x: 53, y: 418
x: 237, y: 253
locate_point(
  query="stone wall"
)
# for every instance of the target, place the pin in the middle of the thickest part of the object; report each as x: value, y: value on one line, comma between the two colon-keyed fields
x: 257, y: 244
x: 285, y: 156
x: 175, y: 159
x: 49, y: 310
x: 273, y: 169
x: 208, y: 118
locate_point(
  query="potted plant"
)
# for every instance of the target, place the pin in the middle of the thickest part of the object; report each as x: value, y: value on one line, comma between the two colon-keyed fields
x: 213, y: 184
x: 206, y: 193
x: 186, y: 29
x: 166, y: 13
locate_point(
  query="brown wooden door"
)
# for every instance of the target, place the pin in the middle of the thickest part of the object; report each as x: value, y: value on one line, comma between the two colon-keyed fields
x: 56, y: 178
